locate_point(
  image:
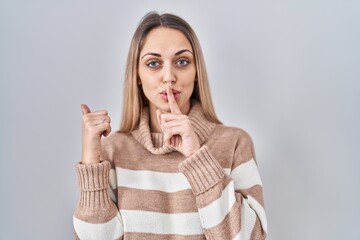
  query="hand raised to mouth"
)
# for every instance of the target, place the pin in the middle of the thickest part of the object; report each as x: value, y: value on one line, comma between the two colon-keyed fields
x: 177, y: 128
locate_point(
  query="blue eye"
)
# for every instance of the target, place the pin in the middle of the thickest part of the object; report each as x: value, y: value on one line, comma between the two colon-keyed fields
x: 182, y: 62
x: 153, y: 64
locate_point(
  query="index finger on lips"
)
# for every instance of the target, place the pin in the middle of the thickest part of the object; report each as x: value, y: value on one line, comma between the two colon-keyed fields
x: 174, y: 108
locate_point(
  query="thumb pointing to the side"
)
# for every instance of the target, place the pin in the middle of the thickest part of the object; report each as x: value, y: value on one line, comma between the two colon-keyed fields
x: 85, y: 109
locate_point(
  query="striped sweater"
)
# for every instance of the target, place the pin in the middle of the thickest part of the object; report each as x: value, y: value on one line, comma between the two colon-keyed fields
x: 143, y: 189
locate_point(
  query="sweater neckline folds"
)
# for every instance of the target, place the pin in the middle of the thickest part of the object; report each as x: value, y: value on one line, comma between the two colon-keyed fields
x: 154, y: 143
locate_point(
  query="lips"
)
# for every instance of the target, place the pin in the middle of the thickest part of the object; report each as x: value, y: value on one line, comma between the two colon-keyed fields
x: 165, y: 96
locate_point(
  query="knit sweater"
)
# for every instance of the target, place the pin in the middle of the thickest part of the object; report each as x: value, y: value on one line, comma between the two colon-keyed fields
x: 143, y: 189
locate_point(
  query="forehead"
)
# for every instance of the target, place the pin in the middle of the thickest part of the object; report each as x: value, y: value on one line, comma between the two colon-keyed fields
x: 165, y: 40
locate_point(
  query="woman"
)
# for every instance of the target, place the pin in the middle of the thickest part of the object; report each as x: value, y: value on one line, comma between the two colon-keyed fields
x: 175, y: 171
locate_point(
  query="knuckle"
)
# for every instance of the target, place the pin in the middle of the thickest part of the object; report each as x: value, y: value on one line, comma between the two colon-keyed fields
x: 105, y: 112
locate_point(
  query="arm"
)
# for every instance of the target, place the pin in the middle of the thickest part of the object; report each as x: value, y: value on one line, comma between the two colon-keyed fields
x: 96, y: 215
x: 230, y: 206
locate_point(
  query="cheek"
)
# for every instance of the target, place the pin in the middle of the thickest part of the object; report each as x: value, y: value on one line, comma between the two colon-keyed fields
x: 189, y: 79
x: 148, y: 89
x: 188, y: 87
x: 147, y: 80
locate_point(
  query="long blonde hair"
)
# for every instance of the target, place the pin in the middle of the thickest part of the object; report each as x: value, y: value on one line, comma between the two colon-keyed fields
x: 134, y: 98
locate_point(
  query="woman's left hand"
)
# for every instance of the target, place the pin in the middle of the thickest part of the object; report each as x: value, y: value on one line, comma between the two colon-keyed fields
x: 177, y: 129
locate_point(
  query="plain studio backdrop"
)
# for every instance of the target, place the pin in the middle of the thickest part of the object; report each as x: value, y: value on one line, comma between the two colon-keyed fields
x: 288, y: 72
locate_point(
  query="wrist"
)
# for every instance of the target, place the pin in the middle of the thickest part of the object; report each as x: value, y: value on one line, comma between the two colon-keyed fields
x: 192, y: 152
x: 90, y: 160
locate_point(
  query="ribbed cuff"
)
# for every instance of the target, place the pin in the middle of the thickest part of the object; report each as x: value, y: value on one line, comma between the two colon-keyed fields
x: 93, y: 182
x: 202, y: 170
x: 93, y: 177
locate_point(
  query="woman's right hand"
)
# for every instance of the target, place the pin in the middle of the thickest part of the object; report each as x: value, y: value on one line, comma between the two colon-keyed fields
x: 94, y: 125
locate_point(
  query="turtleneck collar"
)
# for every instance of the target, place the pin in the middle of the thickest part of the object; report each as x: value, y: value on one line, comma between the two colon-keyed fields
x: 154, y: 143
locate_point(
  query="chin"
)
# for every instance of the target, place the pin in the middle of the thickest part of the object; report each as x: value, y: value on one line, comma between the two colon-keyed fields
x: 164, y: 106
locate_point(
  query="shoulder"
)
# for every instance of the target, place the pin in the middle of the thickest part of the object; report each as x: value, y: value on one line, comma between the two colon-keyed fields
x: 233, y: 143
x: 238, y: 135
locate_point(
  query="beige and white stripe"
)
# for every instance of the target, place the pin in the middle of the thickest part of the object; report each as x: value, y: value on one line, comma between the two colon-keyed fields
x: 112, y: 229
x: 159, y: 194
x: 174, y: 223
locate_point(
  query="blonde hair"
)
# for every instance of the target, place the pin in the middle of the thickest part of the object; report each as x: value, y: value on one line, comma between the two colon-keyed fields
x: 134, y: 98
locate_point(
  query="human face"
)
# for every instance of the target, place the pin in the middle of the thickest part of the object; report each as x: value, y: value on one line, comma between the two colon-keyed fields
x: 167, y: 58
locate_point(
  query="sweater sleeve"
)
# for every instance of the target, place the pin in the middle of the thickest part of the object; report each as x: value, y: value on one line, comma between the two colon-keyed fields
x: 230, y: 205
x: 96, y: 215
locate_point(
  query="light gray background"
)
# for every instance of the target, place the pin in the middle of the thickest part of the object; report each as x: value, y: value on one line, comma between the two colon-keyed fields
x: 285, y: 71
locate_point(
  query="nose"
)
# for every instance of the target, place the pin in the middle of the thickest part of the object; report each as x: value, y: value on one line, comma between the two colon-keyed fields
x: 169, y: 75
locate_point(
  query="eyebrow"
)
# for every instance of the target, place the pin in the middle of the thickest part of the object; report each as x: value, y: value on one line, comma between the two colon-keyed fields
x: 159, y: 55
x: 182, y: 51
